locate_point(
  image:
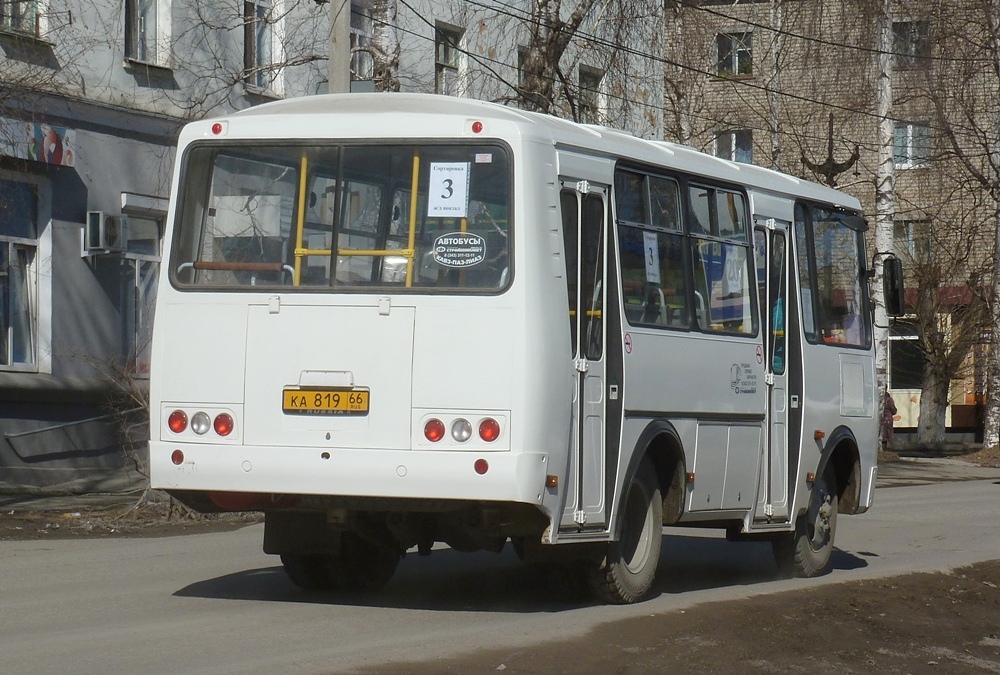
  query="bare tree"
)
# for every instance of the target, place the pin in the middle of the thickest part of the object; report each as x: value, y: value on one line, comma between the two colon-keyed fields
x: 963, y: 89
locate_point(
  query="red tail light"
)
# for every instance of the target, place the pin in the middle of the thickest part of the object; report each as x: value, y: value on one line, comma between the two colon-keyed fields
x: 178, y: 421
x: 434, y: 430
x: 489, y: 430
x: 224, y: 424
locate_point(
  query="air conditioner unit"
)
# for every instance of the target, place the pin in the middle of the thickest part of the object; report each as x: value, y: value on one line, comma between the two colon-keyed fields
x: 105, y: 233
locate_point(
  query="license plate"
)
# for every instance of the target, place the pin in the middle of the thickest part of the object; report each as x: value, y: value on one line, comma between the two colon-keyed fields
x: 325, y: 401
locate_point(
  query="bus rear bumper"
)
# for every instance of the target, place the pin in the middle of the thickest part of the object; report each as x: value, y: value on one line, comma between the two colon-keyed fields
x: 393, y: 474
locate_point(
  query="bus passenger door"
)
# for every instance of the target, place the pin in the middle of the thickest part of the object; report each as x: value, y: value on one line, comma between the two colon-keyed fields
x: 584, y: 208
x: 771, y: 246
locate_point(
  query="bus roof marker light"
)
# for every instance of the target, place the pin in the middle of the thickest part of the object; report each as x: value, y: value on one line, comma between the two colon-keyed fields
x: 477, y: 127
x: 218, y: 129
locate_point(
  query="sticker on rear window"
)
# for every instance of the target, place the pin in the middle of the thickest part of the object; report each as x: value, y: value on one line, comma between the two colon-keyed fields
x: 459, y: 249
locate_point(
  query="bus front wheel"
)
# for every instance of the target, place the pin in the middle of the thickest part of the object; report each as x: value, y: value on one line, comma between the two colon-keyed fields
x: 807, y: 552
x: 627, y: 571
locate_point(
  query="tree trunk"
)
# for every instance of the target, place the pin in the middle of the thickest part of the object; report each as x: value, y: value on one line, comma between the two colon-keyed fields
x: 549, y: 36
x: 991, y: 422
x: 885, y: 195
x: 935, y: 395
x: 774, y: 84
x: 385, y: 44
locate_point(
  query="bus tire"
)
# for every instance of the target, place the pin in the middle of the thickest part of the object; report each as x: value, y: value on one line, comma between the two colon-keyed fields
x: 807, y: 551
x: 361, y: 566
x: 310, y: 572
x: 626, y: 574
x: 366, y: 564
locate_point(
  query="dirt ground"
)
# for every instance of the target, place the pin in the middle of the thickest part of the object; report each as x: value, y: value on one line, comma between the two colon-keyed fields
x: 918, y: 623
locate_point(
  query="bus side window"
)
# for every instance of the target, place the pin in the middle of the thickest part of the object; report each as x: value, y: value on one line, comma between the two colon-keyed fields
x: 653, y: 280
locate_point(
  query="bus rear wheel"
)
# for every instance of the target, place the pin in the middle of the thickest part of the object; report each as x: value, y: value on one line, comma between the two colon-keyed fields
x: 626, y: 574
x: 807, y: 552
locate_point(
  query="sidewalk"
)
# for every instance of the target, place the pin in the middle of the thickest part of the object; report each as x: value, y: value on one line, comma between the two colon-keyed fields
x: 923, y: 470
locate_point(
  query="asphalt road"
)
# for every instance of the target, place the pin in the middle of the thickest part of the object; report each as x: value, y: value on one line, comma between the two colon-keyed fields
x: 213, y: 603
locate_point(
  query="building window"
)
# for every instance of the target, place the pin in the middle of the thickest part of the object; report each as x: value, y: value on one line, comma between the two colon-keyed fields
x: 362, y: 34
x: 258, y: 44
x: 736, y: 146
x: 140, y: 30
x: 735, y: 54
x: 20, y: 16
x: 906, y: 358
x: 911, y: 43
x: 446, y: 42
x: 913, y: 237
x: 912, y: 145
x: 590, y: 107
x: 18, y: 287
x: 140, y: 270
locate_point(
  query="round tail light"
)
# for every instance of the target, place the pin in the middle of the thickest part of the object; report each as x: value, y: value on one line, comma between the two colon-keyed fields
x: 434, y: 430
x: 224, y: 424
x: 489, y: 430
x: 178, y: 421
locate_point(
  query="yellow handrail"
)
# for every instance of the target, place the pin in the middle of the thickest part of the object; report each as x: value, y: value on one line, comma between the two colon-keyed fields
x: 359, y: 252
x: 412, y: 240
x: 301, y: 220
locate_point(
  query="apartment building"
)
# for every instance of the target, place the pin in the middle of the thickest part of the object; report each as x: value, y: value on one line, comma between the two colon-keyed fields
x: 92, y: 96
x: 792, y: 85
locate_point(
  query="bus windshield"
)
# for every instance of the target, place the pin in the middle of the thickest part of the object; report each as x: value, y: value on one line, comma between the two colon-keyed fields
x: 344, y: 217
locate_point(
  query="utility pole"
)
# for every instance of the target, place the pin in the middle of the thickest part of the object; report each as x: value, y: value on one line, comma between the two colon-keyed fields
x: 338, y: 64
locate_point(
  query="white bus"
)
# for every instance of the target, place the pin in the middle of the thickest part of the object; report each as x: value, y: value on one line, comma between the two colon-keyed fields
x: 391, y: 320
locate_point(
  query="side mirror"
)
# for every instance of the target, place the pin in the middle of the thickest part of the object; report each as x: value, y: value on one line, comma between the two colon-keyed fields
x: 892, y: 286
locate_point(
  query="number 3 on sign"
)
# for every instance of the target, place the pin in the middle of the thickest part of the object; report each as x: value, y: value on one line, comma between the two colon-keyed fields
x: 448, y: 192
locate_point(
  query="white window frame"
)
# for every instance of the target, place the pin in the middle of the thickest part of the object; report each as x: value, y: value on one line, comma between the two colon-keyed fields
x: 362, y: 33
x: 448, y: 59
x: 910, y: 320
x: 263, y: 34
x: 733, y: 136
x: 21, y: 22
x: 740, y: 51
x: 916, y: 234
x: 137, y: 323
x: 911, y: 43
x: 907, y: 150
x: 147, y: 44
x: 41, y: 284
x: 591, y: 100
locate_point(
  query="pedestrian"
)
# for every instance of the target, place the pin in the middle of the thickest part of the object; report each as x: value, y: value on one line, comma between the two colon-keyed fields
x: 888, y: 417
